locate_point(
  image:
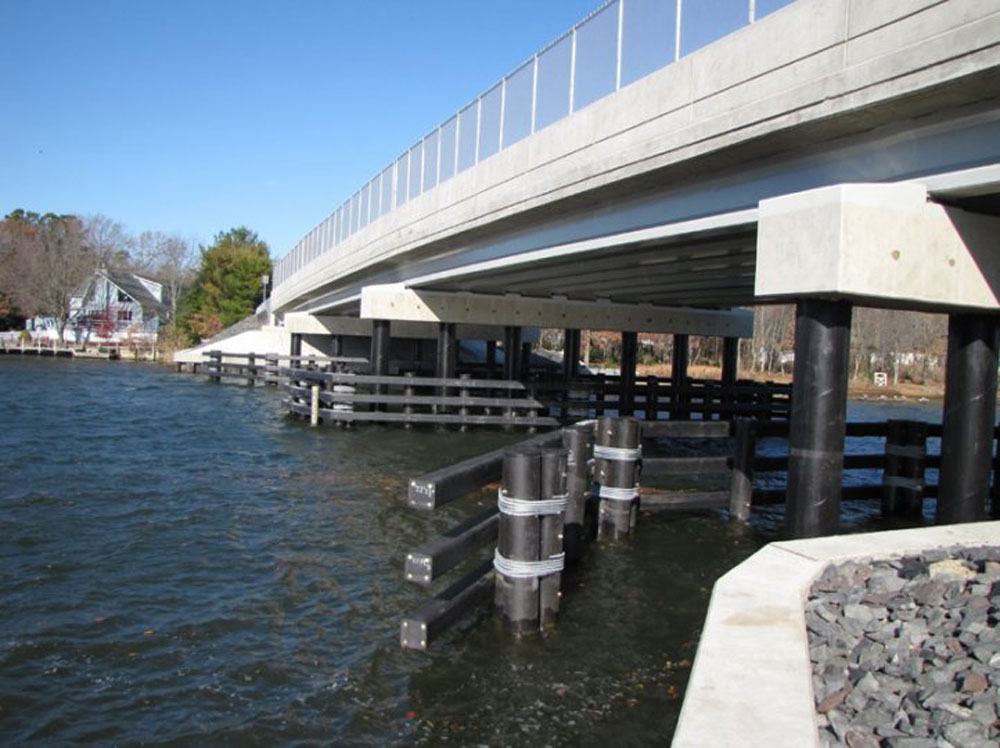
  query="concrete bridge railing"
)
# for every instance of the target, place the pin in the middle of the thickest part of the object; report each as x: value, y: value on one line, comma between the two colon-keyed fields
x: 621, y: 42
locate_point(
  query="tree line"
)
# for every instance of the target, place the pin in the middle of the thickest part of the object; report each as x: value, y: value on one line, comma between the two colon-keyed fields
x: 907, y: 346
x: 45, y: 259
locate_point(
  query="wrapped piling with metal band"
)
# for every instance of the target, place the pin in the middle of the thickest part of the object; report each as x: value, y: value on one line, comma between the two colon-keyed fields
x: 529, y: 557
x: 617, y: 464
x: 579, y: 521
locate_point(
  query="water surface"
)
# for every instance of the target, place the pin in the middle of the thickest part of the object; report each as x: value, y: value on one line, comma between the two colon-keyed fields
x: 181, y: 563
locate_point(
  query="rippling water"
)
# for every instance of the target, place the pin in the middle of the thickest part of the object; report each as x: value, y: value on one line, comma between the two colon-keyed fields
x: 182, y: 564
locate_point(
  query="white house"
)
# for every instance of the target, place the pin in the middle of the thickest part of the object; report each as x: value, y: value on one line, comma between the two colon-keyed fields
x: 110, y: 307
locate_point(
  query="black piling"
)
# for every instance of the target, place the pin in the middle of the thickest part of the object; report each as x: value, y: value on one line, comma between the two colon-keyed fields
x: 380, y: 354
x: 741, y: 480
x: 679, y: 398
x: 447, y: 354
x: 580, y: 521
x: 969, y: 416
x: 518, y: 540
x: 553, y: 483
x: 617, y: 463
x: 903, y: 476
x: 626, y: 392
x: 529, y: 541
x: 819, y: 409
x: 511, y: 352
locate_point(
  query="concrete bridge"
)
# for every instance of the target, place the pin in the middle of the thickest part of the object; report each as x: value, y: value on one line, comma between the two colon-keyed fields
x: 829, y: 153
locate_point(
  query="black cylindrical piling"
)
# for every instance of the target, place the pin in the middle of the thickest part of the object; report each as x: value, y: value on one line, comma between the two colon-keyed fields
x: 511, y: 352
x: 903, y: 477
x: 730, y: 360
x: 408, y: 392
x: 380, y: 355
x: 447, y: 355
x: 678, y: 379
x: 271, y: 367
x: 730, y: 366
x: 626, y: 391
x: 295, y: 349
x: 524, y: 361
x: 617, y: 462
x: 571, y: 353
x: 969, y: 416
x: 819, y: 408
x: 380, y: 347
x: 652, y: 398
x: 463, y: 410
x: 491, y: 358
x: 741, y: 481
x: 518, y: 541
x: 601, y: 383
x: 578, y: 525
x: 215, y: 367
x: 337, y: 346
x: 553, y: 487
x: 707, y: 402
x: 251, y: 369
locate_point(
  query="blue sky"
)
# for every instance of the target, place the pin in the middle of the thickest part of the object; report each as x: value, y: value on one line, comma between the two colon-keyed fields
x: 193, y: 117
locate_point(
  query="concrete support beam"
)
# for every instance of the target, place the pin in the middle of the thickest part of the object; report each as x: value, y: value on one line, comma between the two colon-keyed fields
x: 305, y: 323
x: 395, y: 301
x: 881, y: 243
x: 969, y: 416
x: 819, y: 414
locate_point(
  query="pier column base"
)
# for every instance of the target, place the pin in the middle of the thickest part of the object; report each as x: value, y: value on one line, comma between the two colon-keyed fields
x: 819, y: 412
x: 969, y: 417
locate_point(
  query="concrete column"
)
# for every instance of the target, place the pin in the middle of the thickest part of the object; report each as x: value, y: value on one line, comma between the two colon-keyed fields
x: 626, y: 392
x: 380, y: 347
x: 679, y: 377
x: 969, y: 416
x: 819, y: 413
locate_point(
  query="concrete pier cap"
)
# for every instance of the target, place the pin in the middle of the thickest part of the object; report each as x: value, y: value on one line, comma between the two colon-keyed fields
x: 885, y: 244
x: 398, y: 302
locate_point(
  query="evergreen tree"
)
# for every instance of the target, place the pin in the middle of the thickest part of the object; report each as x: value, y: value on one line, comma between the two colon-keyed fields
x: 228, y: 286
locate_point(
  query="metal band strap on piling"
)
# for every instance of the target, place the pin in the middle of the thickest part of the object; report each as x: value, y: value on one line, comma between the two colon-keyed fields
x: 620, y: 454
x: 618, y: 494
x: 528, y: 569
x: 530, y: 507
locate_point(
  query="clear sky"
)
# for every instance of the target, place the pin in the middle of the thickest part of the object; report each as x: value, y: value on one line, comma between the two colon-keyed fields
x: 193, y: 117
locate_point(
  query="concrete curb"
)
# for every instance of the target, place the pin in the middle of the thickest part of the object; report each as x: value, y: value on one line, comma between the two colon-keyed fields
x: 751, y: 684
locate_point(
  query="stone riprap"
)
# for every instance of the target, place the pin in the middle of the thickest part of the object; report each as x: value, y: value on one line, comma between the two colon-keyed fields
x: 906, y: 652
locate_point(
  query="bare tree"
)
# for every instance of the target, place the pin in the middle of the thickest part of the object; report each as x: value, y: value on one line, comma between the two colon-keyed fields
x: 170, y: 259
x: 45, y: 261
x: 109, y: 240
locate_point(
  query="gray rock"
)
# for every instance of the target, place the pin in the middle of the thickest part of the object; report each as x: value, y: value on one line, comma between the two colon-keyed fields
x: 965, y: 733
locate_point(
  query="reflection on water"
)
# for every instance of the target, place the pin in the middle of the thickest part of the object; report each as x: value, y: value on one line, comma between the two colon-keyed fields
x: 181, y: 563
